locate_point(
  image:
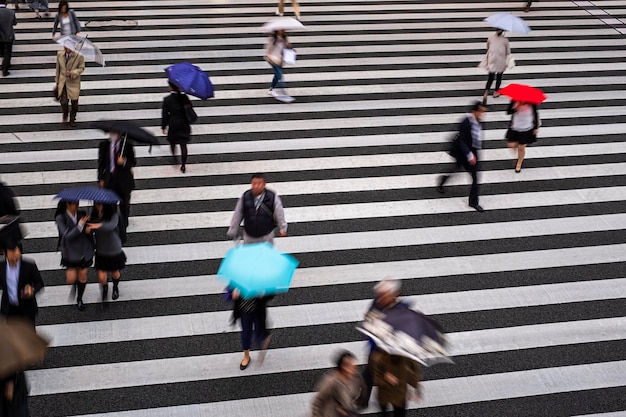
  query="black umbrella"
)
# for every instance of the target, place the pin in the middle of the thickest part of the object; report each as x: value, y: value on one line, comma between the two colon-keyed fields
x: 128, y: 129
x: 402, y: 331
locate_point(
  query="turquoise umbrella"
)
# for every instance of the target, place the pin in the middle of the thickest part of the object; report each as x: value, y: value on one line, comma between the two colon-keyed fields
x: 257, y: 269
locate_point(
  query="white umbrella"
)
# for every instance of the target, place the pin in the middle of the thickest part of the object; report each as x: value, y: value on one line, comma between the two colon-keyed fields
x: 508, y: 22
x: 82, y: 46
x: 283, y: 23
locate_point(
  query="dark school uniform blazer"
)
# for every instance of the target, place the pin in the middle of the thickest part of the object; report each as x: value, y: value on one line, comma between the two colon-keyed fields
x: 29, y: 275
x: 123, y: 178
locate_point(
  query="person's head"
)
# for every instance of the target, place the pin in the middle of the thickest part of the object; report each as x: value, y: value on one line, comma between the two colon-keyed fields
x: 258, y: 184
x: 346, y: 364
x: 387, y: 291
x: 12, y: 253
x: 173, y: 87
x: 64, y: 6
x: 71, y: 207
x: 499, y: 32
x: 478, y: 109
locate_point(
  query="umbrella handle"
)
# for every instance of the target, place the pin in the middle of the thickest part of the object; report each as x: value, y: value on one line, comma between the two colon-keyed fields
x: 123, y: 144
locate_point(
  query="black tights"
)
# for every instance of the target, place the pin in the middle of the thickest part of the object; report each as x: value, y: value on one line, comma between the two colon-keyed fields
x: 498, y: 77
x: 183, y: 152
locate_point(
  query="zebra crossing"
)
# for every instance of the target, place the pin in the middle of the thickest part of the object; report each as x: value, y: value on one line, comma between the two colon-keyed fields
x: 531, y: 292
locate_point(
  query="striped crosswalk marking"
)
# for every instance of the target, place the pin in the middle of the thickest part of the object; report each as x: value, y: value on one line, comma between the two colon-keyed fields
x: 531, y: 292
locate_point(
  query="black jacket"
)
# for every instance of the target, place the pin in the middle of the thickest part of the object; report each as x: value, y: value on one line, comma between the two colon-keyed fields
x: 29, y: 275
x: 122, y: 180
x: 173, y: 117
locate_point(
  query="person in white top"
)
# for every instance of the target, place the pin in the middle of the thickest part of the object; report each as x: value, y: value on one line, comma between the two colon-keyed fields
x: 67, y: 20
x: 495, y: 61
x: 523, y: 129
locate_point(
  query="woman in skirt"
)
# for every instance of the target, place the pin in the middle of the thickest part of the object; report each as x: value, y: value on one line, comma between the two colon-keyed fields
x: 76, y: 244
x: 523, y: 130
x: 175, y: 125
x: 110, y: 258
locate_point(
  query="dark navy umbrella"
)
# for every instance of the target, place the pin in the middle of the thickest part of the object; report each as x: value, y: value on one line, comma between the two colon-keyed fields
x: 190, y: 79
x: 129, y: 129
x: 95, y: 194
x: 402, y: 331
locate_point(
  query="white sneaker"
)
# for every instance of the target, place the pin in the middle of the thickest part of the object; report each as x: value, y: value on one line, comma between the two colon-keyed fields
x: 273, y: 93
x: 278, y: 13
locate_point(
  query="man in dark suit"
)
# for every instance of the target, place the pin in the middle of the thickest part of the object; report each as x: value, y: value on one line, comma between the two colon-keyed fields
x: 20, y: 281
x: 7, y: 35
x: 465, y: 151
x: 116, y: 159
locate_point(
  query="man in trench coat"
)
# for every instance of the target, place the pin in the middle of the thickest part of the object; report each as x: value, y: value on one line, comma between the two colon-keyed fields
x: 70, y: 65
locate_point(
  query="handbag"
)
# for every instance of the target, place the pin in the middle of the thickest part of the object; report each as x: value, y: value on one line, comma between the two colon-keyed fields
x: 510, y: 62
x: 190, y: 114
x: 289, y: 56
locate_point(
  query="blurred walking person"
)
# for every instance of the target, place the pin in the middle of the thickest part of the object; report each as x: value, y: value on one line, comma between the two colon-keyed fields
x: 70, y: 65
x: 7, y: 35
x: 261, y: 211
x: 393, y: 374
x: 523, y: 129
x: 66, y: 20
x: 40, y: 5
x: 20, y: 281
x: 496, y: 60
x: 14, y: 395
x: 110, y: 258
x: 116, y: 160
x: 464, y: 150
x: 76, y: 245
x: 281, y: 8
x: 339, y: 389
x: 274, y: 47
x: 174, y: 123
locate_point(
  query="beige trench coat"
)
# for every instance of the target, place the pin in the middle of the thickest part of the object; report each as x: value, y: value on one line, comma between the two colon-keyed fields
x: 72, y: 83
x: 497, y: 57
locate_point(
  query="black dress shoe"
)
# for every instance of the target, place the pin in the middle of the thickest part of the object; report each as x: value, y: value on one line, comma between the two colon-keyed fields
x: 80, y: 305
x: 477, y: 207
x: 6, y: 74
x: 116, y: 293
x: 242, y: 366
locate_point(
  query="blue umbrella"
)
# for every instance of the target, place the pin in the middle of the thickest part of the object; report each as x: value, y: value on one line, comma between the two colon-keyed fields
x: 257, y: 269
x: 95, y: 194
x: 190, y: 79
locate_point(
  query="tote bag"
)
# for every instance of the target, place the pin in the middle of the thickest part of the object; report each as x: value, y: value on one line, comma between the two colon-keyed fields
x: 289, y: 56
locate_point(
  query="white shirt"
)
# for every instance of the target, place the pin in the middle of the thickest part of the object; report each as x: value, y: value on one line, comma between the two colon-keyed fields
x: 13, y: 277
x: 522, y: 120
x: 66, y: 28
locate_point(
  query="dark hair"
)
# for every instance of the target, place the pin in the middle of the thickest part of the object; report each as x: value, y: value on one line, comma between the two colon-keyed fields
x: 259, y: 176
x: 64, y: 3
x: 173, y: 87
x: 61, y: 208
x: 476, y: 105
x: 108, y: 210
x: 341, y: 357
x: 11, y: 244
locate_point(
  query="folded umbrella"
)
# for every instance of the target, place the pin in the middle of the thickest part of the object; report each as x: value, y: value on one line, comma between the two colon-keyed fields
x: 257, y: 269
x: 524, y: 93
x: 190, y: 79
x: 283, y: 23
x: 508, y: 22
x: 95, y: 194
x: 405, y: 332
x: 82, y: 46
x: 20, y: 346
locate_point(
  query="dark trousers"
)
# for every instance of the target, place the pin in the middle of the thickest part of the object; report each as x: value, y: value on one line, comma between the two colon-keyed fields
x: 64, y: 106
x: 6, y: 49
x: 397, y: 411
x: 252, y: 327
x: 461, y: 160
x: 16, y: 311
x: 497, y: 76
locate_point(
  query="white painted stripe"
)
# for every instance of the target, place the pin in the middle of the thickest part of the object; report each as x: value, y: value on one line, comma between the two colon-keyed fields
x: 70, y: 334
x: 375, y: 239
x: 615, y: 414
x: 209, y: 367
x: 438, y: 393
x: 183, y: 221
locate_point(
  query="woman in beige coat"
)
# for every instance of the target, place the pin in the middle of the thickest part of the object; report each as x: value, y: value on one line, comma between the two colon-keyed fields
x: 70, y: 65
x: 495, y: 61
x: 339, y: 389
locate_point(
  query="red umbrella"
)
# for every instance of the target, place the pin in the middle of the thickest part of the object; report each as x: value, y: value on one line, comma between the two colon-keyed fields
x: 525, y: 93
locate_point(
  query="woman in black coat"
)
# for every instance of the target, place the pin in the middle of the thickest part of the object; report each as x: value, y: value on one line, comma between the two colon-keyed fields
x: 175, y: 124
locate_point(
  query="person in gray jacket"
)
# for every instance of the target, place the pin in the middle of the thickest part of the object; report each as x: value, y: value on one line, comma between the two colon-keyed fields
x: 66, y: 19
x: 76, y: 245
x: 7, y: 35
x: 110, y: 258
